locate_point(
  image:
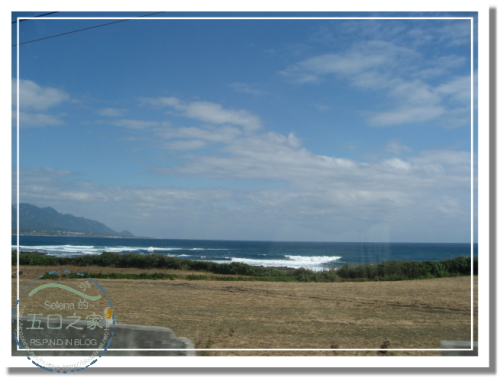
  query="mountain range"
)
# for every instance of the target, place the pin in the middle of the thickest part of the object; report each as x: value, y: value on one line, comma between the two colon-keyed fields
x: 48, y: 221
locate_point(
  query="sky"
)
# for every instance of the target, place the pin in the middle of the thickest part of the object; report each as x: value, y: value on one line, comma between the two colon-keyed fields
x: 271, y: 129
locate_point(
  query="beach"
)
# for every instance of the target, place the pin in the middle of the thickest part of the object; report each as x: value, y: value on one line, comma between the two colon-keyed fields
x: 411, y: 314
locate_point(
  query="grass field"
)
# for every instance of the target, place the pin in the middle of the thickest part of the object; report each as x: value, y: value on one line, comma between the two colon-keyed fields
x: 413, y: 314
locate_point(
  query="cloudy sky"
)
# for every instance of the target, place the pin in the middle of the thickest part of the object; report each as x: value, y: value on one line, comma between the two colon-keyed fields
x: 270, y: 129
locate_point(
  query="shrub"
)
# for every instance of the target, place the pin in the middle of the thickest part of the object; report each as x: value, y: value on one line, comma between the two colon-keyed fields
x: 387, y: 270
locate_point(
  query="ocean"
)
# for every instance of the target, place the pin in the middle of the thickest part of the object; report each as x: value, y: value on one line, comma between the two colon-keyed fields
x: 316, y: 256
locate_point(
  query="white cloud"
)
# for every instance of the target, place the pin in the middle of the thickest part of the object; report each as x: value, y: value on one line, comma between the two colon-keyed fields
x: 407, y: 115
x: 441, y: 66
x: 350, y: 147
x: 395, y: 147
x: 329, y: 195
x: 397, y: 164
x: 212, y: 134
x: 214, y: 113
x: 40, y: 174
x: 111, y: 112
x: 37, y: 120
x: 136, y: 124
x: 185, y: 144
x: 57, y: 188
x: 293, y: 141
x: 360, y: 58
x: 272, y: 156
x: 454, y: 33
x: 316, y: 184
x: 458, y: 89
x: 447, y: 32
x: 415, y: 93
x: 35, y: 97
x: 210, y: 112
x: 445, y: 157
x: 322, y: 108
x: 397, y: 72
x: 419, y: 102
x: 246, y: 88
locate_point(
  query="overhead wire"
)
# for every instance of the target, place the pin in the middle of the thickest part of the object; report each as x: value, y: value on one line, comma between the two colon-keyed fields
x: 40, y: 15
x: 87, y: 28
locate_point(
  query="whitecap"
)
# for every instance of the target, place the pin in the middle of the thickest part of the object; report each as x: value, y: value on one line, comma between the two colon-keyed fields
x: 315, y: 263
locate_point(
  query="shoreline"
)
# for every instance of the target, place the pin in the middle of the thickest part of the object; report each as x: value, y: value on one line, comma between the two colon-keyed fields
x: 385, y: 271
x: 291, y: 256
x: 284, y: 268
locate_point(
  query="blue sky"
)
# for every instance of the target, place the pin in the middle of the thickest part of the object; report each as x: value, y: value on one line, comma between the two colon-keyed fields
x: 305, y: 129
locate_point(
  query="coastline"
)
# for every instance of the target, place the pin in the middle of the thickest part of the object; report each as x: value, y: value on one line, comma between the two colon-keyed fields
x: 202, y: 255
x: 235, y: 271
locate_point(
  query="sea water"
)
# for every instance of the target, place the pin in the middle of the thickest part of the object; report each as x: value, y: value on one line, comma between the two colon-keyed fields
x: 310, y: 255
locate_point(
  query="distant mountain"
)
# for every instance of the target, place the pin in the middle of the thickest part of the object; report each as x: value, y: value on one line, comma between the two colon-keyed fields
x: 126, y: 233
x: 46, y: 220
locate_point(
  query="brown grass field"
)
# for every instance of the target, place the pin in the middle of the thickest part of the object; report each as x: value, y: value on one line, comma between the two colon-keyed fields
x: 414, y: 314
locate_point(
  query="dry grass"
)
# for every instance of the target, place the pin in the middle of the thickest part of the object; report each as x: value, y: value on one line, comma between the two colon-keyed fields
x: 275, y: 315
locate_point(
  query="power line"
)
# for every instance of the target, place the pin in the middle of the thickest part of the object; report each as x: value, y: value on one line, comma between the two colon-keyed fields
x: 78, y: 30
x: 40, y: 15
x: 70, y: 32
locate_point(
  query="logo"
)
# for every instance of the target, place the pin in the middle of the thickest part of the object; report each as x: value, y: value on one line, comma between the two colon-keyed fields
x: 57, y: 317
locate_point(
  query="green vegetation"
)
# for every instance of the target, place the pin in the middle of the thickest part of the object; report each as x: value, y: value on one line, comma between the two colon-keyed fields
x: 385, y: 271
x: 403, y: 270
